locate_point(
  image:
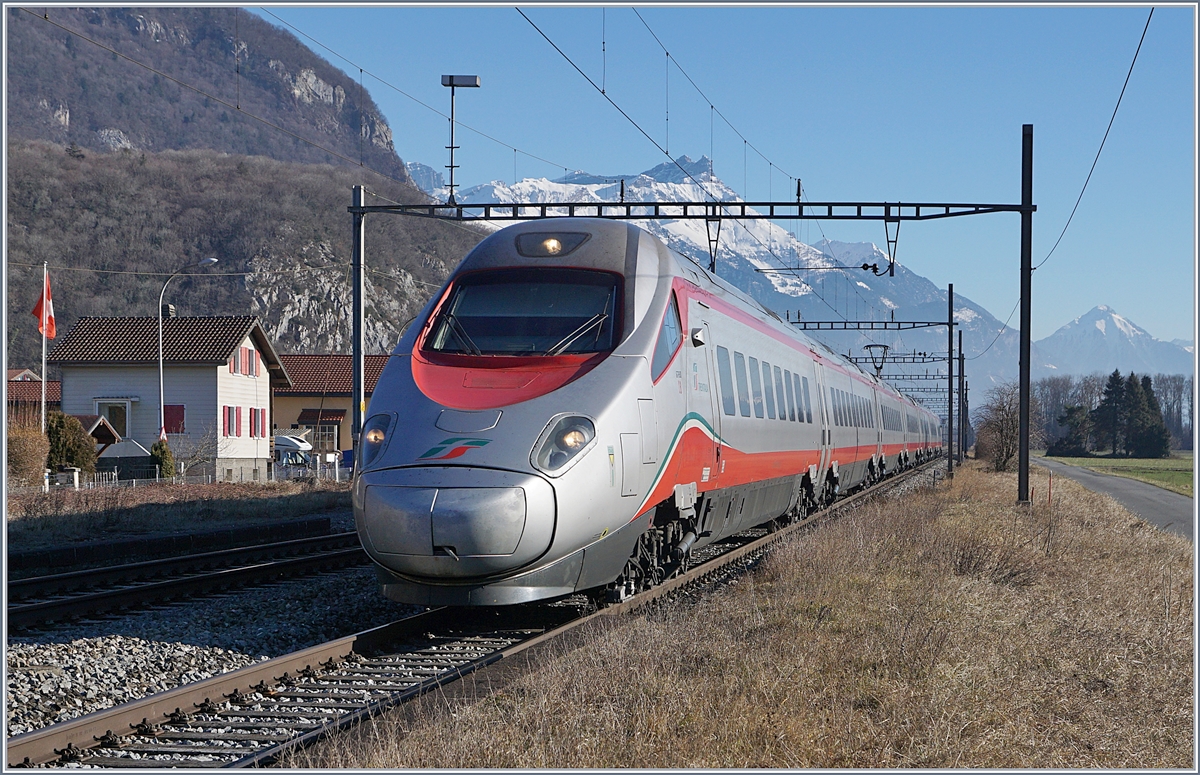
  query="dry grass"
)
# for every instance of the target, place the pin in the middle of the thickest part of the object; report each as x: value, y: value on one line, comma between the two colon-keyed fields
x: 956, y: 630
x: 64, y: 515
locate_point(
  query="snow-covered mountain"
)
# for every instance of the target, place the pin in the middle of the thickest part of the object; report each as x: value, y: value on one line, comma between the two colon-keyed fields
x: 823, y: 290
x: 1102, y: 340
x: 818, y: 292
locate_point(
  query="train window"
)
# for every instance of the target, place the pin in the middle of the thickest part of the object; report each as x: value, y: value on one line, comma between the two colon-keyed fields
x: 780, y: 391
x: 807, y: 402
x: 770, y: 394
x: 756, y: 388
x: 726, y: 380
x: 545, y: 311
x: 787, y: 376
x: 837, y: 413
x: 669, y: 337
x: 739, y: 364
x: 799, y: 397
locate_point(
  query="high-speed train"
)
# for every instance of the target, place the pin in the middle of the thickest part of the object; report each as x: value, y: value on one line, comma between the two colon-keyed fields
x: 580, y: 407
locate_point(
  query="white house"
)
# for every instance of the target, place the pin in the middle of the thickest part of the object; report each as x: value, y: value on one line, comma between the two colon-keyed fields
x: 218, y: 373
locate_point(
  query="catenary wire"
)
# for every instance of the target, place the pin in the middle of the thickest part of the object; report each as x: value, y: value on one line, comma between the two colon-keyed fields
x: 1102, y: 141
x: 398, y: 90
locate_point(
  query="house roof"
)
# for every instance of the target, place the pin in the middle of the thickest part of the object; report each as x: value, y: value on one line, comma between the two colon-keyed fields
x: 321, y: 416
x: 98, y: 428
x: 186, y: 340
x: 329, y: 374
x: 23, y: 374
x: 30, y: 391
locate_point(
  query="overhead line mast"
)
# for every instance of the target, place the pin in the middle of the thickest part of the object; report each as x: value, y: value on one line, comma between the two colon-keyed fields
x: 888, y: 212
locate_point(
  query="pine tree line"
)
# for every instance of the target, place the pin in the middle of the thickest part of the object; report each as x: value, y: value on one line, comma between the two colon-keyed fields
x: 1053, y: 396
x: 1128, y: 420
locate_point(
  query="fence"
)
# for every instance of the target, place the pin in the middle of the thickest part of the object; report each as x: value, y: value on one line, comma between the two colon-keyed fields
x: 332, y: 473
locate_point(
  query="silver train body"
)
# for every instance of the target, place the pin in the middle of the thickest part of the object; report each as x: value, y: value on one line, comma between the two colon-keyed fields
x: 580, y: 407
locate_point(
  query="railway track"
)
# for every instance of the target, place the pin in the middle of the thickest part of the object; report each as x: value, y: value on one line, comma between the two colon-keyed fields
x: 42, y: 600
x: 249, y: 717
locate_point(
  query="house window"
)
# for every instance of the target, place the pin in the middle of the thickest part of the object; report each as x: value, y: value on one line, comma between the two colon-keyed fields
x: 231, y: 421
x: 117, y: 414
x: 173, y: 416
x: 324, y: 438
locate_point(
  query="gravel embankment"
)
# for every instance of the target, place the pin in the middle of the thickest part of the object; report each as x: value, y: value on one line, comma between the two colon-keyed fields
x: 75, y: 669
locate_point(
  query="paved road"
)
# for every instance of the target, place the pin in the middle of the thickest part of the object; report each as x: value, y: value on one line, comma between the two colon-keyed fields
x: 1168, y: 510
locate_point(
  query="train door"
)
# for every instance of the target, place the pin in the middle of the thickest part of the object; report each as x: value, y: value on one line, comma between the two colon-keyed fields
x: 877, y: 421
x: 702, y: 396
x: 823, y: 418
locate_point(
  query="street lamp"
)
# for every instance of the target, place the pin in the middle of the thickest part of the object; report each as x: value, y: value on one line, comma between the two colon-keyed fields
x: 454, y: 82
x: 162, y: 410
x: 877, y: 353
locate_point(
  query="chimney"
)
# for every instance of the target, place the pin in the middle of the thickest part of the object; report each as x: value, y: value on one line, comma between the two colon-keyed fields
x: 168, y: 310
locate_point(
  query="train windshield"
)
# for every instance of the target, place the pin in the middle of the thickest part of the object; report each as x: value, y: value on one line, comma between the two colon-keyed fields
x: 551, y: 311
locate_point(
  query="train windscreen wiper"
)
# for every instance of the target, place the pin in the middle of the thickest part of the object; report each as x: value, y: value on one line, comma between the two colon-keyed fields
x: 460, y: 332
x: 593, y: 322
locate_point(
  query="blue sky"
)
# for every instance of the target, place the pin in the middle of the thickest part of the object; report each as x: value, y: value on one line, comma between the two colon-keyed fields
x: 862, y: 103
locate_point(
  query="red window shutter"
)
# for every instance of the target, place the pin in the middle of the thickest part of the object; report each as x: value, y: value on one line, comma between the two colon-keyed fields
x: 257, y: 364
x: 224, y: 420
x: 237, y: 426
x: 253, y: 422
x: 232, y: 370
x: 262, y: 417
x: 173, y: 416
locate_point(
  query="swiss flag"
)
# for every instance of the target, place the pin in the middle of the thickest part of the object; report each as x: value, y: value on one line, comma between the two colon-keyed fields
x: 44, y: 310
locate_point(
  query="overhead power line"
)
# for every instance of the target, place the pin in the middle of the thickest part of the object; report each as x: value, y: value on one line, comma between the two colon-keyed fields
x: 1103, y: 140
x: 400, y: 91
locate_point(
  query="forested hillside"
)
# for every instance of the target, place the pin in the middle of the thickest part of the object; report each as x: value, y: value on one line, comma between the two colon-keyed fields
x: 67, y: 84
x: 112, y: 225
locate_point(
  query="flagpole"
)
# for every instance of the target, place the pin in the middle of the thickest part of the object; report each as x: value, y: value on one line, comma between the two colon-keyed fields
x: 45, y: 279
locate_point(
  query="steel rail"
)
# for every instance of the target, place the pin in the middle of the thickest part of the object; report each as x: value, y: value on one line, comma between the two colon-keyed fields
x: 69, y: 741
x: 32, y: 614
x: 60, y: 583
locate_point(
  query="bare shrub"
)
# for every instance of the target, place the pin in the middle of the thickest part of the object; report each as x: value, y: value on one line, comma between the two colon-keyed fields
x: 27, y: 450
x: 997, y: 426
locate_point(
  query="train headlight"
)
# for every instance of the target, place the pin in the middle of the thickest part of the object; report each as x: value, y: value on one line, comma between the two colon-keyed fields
x: 373, y: 439
x: 564, y: 440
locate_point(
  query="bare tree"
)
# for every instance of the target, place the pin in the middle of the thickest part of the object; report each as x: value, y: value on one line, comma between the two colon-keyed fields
x: 998, y: 423
x: 198, y: 452
x: 1089, y: 389
x: 1172, y: 391
x: 1054, y: 395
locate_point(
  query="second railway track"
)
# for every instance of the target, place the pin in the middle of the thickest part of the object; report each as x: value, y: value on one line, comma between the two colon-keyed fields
x: 249, y: 717
x: 42, y: 600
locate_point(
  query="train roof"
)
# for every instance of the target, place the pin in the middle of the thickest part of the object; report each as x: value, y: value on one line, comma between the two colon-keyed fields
x: 823, y: 349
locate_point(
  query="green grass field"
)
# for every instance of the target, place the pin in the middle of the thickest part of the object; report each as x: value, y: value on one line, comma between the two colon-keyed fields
x: 1173, y: 473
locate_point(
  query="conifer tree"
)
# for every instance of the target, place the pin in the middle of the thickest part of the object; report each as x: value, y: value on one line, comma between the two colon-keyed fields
x: 1155, y: 439
x: 1108, y: 418
x: 1136, y: 415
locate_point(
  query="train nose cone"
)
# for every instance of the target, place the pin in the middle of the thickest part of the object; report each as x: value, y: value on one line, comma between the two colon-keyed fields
x: 454, y: 523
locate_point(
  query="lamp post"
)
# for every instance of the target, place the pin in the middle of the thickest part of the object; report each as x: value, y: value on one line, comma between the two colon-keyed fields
x: 455, y: 81
x: 162, y: 410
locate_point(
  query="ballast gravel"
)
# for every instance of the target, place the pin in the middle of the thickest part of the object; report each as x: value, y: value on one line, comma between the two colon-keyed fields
x: 71, y: 670
x: 57, y: 674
